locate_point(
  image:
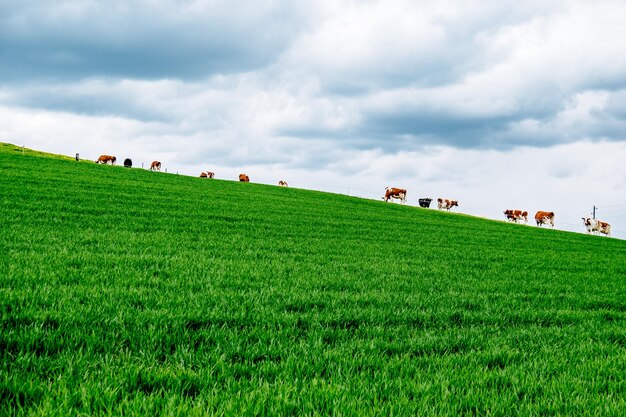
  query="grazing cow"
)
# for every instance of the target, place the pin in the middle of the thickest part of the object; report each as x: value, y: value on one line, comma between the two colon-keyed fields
x: 155, y: 166
x: 203, y: 175
x: 544, y: 217
x: 398, y: 193
x: 444, y: 203
x: 597, y: 226
x: 105, y: 159
x: 128, y: 163
x: 516, y: 215
x: 282, y: 183
x: 425, y: 202
x: 244, y: 178
x: 210, y: 174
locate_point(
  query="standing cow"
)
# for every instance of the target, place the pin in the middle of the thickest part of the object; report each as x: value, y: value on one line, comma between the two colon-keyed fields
x: 282, y: 183
x: 244, y: 178
x: 596, y: 226
x: 516, y: 215
x: 105, y: 159
x: 425, y: 202
x: 398, y: 193
x: 544, y: 217
x: 605, y: 228
x: 155, y: 166
x: 444, y: 203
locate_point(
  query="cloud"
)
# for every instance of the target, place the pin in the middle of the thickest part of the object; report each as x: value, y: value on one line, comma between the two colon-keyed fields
x: 366, y: 46
x: 464, y: 76
x: 141, y: 39
x: 368, y: 75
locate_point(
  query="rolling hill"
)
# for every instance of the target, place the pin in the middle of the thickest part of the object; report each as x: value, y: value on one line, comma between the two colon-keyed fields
x: 125, y: 291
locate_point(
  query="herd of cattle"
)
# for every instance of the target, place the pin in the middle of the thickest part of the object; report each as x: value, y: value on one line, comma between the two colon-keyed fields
x: 156, y: 166
x: 516, y: 216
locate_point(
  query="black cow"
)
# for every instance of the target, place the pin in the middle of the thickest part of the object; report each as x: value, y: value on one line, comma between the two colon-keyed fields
x: 425, y: 202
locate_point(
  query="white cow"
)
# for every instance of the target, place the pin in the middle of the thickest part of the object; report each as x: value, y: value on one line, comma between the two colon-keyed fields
x: 596, y: 226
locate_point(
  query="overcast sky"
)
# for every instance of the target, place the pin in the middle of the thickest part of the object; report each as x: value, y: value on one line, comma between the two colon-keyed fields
x: 498, y: 104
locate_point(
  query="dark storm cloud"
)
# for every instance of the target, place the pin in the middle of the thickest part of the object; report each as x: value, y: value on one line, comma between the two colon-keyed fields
x: 394, y: 133
x: 420, y: 130
x: 532, y: 121
x: 166, y: 56
x: 616, y: 104
x: 70, y: 40
x: 87, y: 102
x: 496, y: 132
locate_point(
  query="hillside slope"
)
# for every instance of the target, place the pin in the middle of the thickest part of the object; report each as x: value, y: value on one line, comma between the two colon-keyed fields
x: 125, y: 291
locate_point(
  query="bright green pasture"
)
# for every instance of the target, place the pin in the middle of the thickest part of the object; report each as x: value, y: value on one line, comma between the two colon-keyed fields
x: 129, y: 292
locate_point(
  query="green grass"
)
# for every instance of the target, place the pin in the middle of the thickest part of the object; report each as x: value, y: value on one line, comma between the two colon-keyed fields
x: 9, y: 149
x: 129, y: 292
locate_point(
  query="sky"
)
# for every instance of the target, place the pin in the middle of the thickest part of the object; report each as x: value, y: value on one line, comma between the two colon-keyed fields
x: 497, y: 104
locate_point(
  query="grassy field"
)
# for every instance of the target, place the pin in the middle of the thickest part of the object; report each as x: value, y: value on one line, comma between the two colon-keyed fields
x: 124, y: 291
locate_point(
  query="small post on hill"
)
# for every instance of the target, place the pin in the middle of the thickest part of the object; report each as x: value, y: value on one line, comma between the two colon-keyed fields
x: 77, y: 157
x: 594, y: 212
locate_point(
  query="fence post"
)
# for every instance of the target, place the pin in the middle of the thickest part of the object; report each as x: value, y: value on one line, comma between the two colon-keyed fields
x: 77, y: 158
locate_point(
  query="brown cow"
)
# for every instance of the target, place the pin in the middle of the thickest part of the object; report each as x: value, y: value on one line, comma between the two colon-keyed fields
x: 544, y: 217
x: 244, y: 178
x: 105, y: 159
x: 155, y: 166
x: 398, y: 193
x: 516, y: 215
x: 525, y: 216
x: 282, y: 183
x: 203, y: 175
x: 444, y: 203
x: 605, y: 228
